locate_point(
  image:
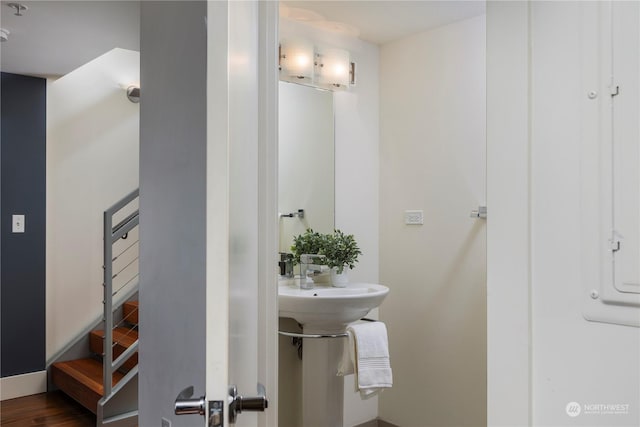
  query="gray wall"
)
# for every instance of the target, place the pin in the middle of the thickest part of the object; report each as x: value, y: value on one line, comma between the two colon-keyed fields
x: 22, y: 283
x: 172, y: 207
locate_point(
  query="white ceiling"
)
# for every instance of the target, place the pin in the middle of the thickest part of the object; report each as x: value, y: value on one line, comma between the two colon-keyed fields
x: 55, y: 37
x: 380, y: 22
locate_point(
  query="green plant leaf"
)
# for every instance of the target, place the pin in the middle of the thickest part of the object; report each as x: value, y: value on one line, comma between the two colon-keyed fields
x: 341, y: 250
x: 311, y: 242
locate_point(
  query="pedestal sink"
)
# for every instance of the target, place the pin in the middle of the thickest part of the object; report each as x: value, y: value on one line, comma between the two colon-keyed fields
x: 326, y: 310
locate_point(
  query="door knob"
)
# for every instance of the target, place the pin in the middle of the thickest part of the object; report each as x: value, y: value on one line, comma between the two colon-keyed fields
x: 184, y: 405
x: 240, y: 403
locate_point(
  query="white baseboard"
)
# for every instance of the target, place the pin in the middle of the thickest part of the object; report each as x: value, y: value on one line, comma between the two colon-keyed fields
x: 23, y: 385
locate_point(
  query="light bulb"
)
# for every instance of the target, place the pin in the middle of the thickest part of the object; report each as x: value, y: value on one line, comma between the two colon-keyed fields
x: 296, y: 60
x: 335, y: 67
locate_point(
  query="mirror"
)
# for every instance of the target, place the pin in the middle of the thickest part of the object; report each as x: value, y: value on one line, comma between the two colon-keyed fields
x: 305, y: 181
x: 305, y: 161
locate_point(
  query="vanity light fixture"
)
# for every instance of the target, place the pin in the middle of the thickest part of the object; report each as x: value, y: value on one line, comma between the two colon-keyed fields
x: 296, y: 60
x: 328, y: 68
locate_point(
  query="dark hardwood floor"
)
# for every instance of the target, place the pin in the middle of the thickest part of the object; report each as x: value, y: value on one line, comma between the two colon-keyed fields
x: 53, y: 409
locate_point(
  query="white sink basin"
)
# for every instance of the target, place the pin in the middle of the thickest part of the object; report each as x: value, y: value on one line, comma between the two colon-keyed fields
x: 328, y: 308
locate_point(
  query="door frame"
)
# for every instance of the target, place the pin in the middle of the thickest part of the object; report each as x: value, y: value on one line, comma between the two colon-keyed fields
x: 509, y: 281
x: 268, y: 225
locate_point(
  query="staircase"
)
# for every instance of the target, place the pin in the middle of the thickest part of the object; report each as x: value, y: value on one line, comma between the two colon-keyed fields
x: 83, y: 379
x: 114, y: 401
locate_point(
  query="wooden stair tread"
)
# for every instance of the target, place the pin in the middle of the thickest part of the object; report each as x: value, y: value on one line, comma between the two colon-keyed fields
x: 123, y: 338
x: 82, y: 380
x: 121, y: 335
x: 87, y: 371
x: 130, y: 312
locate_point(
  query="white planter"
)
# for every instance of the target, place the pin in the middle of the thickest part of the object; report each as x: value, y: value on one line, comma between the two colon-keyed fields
x: 339, y: 280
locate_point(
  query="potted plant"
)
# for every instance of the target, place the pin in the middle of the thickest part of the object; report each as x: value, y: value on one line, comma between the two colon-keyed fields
x: 311, y: 242
x: 341, y: 251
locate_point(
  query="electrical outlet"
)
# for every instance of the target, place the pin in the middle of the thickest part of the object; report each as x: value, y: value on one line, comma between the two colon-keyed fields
x: 166, y: 422
x: 17, y: 223
x: 414, y: 217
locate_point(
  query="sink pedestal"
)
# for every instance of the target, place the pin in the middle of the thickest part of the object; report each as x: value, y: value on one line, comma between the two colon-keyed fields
x: 322, y: 389
x: 326, y: 310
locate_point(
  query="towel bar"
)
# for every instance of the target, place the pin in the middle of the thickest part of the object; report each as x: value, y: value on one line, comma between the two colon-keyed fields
x: 299, y: 214
x: 340, y: 335
x: 297, y: 335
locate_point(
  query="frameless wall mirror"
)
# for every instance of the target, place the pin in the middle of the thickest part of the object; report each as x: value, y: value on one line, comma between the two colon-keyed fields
x: 306, y: 161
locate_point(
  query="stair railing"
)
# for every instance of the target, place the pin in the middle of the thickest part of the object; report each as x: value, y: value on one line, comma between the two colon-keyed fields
x: 126, y: 207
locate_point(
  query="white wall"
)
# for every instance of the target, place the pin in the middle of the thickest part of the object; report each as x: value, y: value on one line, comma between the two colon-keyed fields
x: 567, y: 359
x: 356, y: 171
x: 92, y: 162
x: 432, y: 119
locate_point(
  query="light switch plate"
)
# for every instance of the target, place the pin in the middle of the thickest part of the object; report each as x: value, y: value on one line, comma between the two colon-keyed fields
x: 414, y: 217
x: 17, y: 222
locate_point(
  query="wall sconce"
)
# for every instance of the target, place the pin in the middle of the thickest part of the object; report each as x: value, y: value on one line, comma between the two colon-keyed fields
x: 296, y: 60
x: 133, y: 94
x: 328, y: 68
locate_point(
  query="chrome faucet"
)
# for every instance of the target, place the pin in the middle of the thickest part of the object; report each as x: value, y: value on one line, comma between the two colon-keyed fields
x: 305, y: 261
x: 286, y: 265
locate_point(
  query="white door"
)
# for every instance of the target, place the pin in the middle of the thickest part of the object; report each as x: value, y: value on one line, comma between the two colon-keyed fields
x: 208, y: 162
x: 245, y: 209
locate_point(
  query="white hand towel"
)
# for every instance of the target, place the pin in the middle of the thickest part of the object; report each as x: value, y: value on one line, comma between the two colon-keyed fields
x: 348, y: 357
x: 368, y: 349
